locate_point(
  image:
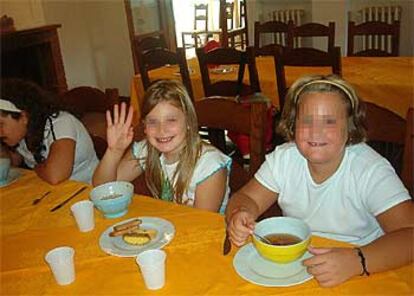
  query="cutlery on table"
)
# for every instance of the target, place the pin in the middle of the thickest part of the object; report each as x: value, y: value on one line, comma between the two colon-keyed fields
x: 37, y: 200
x: 226, y: 245
x: 68, y: 199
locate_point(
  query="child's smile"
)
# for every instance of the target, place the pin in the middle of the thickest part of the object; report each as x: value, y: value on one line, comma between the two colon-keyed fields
x: 165, y: 127
x: 321, y: 128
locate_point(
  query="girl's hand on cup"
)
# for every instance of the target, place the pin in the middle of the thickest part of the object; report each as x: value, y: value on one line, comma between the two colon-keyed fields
x: 119, y: 133
x: 240, y: 227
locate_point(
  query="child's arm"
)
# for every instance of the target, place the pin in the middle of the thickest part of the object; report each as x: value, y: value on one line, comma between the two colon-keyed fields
x: 119, y: 137
x: 244, y: 207
x: 394, y: 249
x: 59, y: 164
x: 210, y: 193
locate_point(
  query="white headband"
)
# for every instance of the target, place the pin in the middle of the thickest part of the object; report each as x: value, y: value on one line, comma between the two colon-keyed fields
x: 8, y: 106
x: 323, y: 81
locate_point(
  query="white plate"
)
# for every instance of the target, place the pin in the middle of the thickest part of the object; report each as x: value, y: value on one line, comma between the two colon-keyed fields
x: 117, y: 247
x: 14, y: 174
x: 255, y: 269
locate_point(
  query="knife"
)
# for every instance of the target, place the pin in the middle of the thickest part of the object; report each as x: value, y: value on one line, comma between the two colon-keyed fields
x: 226, y: 245
x: 68, y: 199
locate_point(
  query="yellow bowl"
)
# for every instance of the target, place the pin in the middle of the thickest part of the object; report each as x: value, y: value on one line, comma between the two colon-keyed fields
x: 286, y: 225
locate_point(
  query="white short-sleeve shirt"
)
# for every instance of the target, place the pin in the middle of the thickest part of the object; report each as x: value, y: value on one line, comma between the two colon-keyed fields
x: 67, y: 126
x: 210, y: 161
x: 344, y: 206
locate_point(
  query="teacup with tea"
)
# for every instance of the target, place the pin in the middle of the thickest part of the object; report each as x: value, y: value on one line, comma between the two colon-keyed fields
x: 288, y: 239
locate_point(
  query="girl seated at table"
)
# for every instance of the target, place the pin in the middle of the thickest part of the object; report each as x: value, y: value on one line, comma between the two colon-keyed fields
x: 327, y: 176
x: 52, y: 142
x: 178, y: 166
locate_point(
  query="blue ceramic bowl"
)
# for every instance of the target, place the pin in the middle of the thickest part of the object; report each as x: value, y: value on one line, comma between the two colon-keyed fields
x: 112, y: 198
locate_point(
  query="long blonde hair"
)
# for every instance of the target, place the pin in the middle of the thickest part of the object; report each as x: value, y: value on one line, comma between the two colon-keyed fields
x: 173, y: 92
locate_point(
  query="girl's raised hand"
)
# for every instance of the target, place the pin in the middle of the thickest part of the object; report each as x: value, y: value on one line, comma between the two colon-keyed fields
x: 119, y: 133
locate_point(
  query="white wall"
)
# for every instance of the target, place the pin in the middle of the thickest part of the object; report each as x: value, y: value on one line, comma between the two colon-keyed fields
x: 94, y: 38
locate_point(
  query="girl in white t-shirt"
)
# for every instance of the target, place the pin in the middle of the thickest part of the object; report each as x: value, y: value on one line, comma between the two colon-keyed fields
x: 54, y: 143
x: 326, y: 176
x: 178, y: 166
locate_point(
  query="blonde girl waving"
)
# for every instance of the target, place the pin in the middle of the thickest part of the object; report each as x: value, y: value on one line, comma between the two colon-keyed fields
x: 178, y: 166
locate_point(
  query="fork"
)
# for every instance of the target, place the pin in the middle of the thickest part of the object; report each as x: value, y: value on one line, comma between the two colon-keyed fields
x: 37, y: 200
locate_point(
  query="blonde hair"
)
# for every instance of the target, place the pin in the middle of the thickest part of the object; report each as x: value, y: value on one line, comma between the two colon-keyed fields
x: 173, y: 92
x: 321, y: 83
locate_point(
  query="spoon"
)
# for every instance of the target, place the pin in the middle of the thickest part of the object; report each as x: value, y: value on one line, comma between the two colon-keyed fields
x: 262, y: 238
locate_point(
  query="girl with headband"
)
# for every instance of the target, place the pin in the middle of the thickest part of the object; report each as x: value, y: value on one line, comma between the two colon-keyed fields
x: 52, y: 142
x: 327, y: 176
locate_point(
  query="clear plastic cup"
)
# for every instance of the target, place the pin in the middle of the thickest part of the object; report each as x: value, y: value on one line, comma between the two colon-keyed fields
x: 84, y: 215
x: 152, y: 265
x: 61, y: 262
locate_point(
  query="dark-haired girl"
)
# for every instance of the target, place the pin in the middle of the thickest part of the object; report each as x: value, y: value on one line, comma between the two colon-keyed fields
x: 52, y: 142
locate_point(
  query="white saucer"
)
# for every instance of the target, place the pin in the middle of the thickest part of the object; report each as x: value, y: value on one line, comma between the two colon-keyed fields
x: 255, y: 269
x: 116, y: 246
x: 14, y: 174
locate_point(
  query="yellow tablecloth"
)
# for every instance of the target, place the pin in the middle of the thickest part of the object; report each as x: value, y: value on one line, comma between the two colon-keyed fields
x: 194, y: 266
x: 387, y: 82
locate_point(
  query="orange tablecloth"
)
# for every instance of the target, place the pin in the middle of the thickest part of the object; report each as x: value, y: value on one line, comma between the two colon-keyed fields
x: 388, y: 82
x: 195, y: 265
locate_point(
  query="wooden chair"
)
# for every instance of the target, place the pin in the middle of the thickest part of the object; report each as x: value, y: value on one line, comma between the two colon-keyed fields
x: 239, y: 37
x: 150, y: 41
x: 251, y: 120
x: 277, y: 30
x: 200, y: 18
x: 89, y: 104
x: 297, y: 33
x: 303, y: 57
x: 378, y: 38
x: 228, y: 56
x: 85, y: 99
x: 392, y: 137
x: 160, y: 57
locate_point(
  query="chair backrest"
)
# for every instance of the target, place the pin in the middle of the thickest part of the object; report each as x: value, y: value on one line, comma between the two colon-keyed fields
x: 227, y: 114
x: 387, y: 133
x: 378, y: 38
x: 269, y: 29
x: 228, y: 56
x: 296, y: 33
x: 229, y: 9
x: 84, y: 99
x: 201, y: 16
x: 242, y: 14
x: 303, y: 57
x: 214, y: 113
x: 149, y: 41
x: 160, y: 57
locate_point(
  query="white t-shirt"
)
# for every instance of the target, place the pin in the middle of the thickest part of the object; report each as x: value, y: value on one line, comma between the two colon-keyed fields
x: 210, y: 161
x: 344, y: 206
x: 67, y: 126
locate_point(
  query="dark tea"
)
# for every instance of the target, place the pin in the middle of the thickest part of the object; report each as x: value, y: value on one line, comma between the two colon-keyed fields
x: 283, y: 239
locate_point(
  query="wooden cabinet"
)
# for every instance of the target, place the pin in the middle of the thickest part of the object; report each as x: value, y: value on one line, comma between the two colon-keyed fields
x: 34, y: 54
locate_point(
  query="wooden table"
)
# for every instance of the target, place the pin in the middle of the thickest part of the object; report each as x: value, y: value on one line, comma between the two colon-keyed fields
x: 194, y: 266
x: 387, y: 82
